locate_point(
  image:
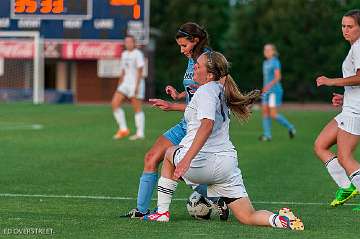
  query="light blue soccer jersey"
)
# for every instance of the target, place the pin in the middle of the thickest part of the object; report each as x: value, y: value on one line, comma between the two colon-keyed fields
x: 190, y: 85
x: 269, y: 67
x: 177, y: 133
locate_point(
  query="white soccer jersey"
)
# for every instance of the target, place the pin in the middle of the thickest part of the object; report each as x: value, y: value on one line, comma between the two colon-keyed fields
x: 130, y: 62
x: 349, y: 67
x: 208, y: 103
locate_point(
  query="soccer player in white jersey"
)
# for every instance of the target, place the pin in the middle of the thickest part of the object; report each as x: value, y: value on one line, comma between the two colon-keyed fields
x: 344, y: 129
x: 131, y: 86
x: 206, y: 154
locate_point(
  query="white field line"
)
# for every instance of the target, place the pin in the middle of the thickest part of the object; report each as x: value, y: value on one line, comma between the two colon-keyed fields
x: 12, y: 195
x: 20, y: 126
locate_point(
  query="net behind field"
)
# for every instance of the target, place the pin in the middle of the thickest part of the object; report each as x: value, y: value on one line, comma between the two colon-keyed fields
x: 21, y: 66
x: 16, y: 82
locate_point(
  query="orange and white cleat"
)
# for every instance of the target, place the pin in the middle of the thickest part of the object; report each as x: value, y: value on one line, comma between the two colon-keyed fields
x: 121, y: 134
x: 294, y: 223
x: 158, y: 217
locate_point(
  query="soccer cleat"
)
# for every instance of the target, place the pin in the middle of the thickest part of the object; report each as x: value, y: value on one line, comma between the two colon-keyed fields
x: 136, y: 137
x: 343, y: 195
x: 158, y: 217
x: 121, y: 134
x: 264, y: 138
x: 293, y: 222
x: 135, y: 213
x: 222, y: 209
x: 292, y: 133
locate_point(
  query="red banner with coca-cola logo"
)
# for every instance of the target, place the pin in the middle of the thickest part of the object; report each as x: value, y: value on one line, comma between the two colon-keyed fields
x: 77, y: 50
x: 84, y: 50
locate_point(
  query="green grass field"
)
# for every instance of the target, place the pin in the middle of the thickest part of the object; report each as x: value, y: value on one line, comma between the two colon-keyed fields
x: 74, y: 154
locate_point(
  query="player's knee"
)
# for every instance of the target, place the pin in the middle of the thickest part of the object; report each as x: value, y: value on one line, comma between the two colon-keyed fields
x: 114, y: 105
x: 150, y: 161
x: 318, y: 147
x: 315, y: 148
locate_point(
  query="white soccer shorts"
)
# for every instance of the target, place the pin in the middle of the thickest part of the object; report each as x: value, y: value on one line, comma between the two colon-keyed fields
x: 220, y: 172
x: 349, y: 122
x: 129, y: 90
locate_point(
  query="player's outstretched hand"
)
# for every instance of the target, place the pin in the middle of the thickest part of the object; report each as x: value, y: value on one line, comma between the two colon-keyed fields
x: 162, y: 104
x: 172, y: 92
x: 181, y: 169
x: 265, y: 90
x: 337, y: 100
x: 323, y: 80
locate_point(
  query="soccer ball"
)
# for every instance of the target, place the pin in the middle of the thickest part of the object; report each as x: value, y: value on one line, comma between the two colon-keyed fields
x: 199, y: 207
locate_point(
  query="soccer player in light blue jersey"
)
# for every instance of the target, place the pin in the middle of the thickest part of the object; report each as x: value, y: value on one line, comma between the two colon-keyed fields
x: 272, y: 94
x: 193, y: 41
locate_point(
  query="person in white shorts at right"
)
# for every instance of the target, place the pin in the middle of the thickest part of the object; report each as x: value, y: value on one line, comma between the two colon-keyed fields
x: 131, y: 86
x: 344, y: 130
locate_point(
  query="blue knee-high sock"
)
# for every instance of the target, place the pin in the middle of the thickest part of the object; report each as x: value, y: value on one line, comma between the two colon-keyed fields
x: 146, y: 187
x: 202, y: 189
x: 266, y: 122
x: 283, y: 121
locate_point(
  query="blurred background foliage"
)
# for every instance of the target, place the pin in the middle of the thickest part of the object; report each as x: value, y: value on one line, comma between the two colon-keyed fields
x: 307, y: 34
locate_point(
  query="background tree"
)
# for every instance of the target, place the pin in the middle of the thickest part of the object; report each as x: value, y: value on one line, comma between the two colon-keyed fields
x: 167, y: 16
x: 306, y: 32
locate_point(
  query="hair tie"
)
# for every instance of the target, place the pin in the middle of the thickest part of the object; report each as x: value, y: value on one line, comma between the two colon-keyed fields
x: 184, y: 33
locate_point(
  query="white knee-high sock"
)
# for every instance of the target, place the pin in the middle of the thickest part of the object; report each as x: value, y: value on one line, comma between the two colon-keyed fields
x: 275, y: 221
x: 140, y: 123
x: 166, y: 189
x: 119, y: 116
x: 355, y: 179
x: 337, y: 172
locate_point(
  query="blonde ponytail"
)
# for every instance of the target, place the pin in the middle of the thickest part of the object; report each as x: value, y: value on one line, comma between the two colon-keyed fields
x: 239, y: 103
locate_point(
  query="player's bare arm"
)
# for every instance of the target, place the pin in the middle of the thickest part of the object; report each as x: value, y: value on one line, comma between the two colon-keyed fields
x: 170, y: 90
x: 347, y: 81
x: 167, y: 106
